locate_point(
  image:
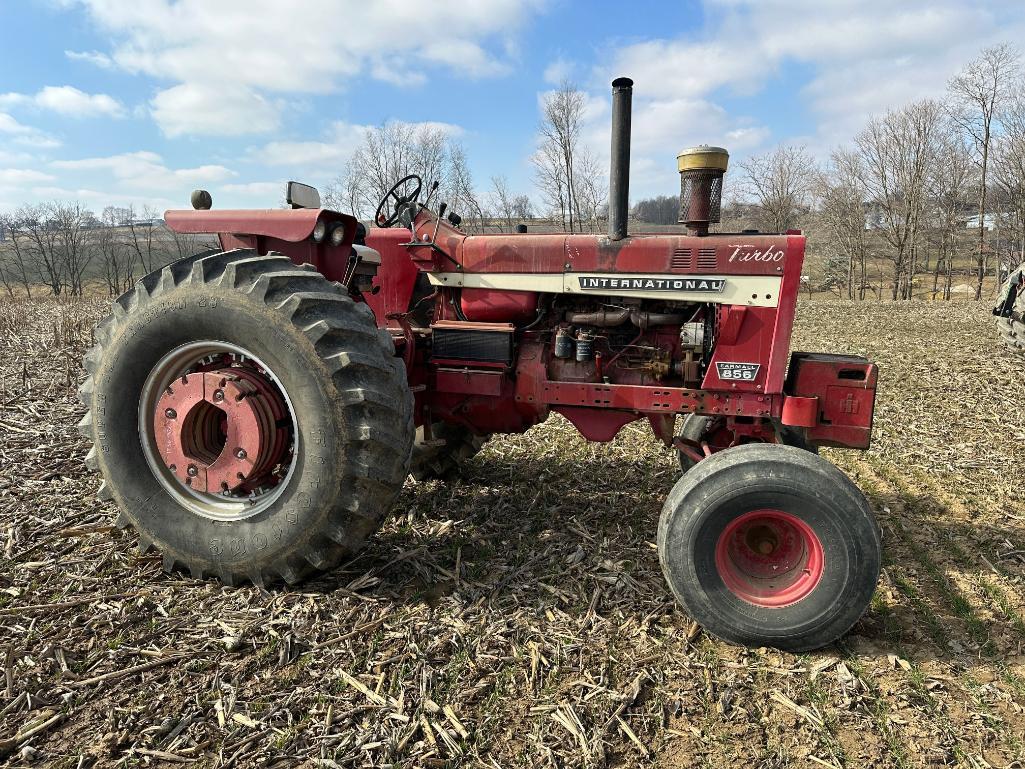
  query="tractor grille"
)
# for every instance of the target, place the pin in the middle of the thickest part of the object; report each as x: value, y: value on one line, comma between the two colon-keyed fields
x: 463, y: 342
x: 683, y: 259
x: 706, y: 259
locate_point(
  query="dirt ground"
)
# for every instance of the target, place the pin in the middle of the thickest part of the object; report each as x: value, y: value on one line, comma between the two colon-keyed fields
x: 519, y: 618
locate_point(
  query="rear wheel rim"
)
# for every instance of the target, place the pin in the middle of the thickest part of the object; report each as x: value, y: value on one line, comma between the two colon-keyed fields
x: 218, y: 430
x: 769, y: 558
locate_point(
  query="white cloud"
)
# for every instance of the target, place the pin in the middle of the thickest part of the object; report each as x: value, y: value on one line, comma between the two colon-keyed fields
x: 201, y: 109
x: 270, y: 193
x: 251, y: 53
x: 96, y: 199
x: 25, y: 135
x: 334, y: 150
x: 66, y: 100
x: 146, y: 171
x: 8, y: 125
x: 18, y: 176
x: 558, y: 71
x: 95, y: 58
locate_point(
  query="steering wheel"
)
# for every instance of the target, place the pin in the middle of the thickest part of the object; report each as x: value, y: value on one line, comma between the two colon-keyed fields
x: 400, y: 200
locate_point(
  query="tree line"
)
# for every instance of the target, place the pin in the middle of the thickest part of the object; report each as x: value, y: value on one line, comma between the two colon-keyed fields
x: 913, y: 190
x: 60, y: 247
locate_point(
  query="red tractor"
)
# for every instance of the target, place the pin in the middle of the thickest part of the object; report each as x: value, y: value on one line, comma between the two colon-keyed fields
x: 255, y: 409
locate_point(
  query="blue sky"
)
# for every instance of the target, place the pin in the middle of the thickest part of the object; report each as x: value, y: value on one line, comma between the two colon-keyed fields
x: 140, y: 101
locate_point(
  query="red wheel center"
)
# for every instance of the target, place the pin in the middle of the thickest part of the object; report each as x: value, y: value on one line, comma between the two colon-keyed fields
x: 769, y: 558
x: 221, y: 430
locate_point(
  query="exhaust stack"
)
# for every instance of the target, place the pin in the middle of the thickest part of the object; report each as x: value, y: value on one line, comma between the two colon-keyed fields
x: 701, y: 172
x: 619, y: 170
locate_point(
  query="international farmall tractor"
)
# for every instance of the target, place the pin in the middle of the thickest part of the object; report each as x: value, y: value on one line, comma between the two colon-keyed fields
x: 256, y: 409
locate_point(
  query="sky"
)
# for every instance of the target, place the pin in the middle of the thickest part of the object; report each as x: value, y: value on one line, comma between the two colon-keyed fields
x: 117, y: 102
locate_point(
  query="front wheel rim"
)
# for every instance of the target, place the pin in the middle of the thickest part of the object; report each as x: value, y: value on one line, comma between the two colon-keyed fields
x: 769, y: 558
x: 218, y: 430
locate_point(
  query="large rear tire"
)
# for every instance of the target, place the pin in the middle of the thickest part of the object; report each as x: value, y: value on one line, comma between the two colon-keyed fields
x: 330, y: 444
x: 768, y: 545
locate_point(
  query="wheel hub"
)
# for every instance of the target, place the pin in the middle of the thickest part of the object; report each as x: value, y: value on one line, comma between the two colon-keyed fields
x: 769, y: 558
x: 217, y: 431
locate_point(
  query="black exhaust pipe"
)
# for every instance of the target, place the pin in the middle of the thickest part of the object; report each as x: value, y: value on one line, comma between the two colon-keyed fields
x: 619, y: 170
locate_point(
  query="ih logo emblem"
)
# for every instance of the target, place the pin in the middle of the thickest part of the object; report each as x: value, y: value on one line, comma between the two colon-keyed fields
x: 737, y: 372
x: 600, y: 282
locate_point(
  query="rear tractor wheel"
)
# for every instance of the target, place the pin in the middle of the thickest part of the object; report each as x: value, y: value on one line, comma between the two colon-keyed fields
x: 248, y: 417
x: 768, y: 545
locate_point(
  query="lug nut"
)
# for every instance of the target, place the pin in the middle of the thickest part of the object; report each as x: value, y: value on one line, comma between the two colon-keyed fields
x: 170, y: 413
x: 192, y: 471
x: 240, y: 453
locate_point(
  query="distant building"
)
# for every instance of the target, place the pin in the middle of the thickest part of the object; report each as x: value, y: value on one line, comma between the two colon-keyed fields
x: 990, y: 221
x: 873, y: 216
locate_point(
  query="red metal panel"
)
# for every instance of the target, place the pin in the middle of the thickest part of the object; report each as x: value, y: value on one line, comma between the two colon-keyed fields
x: 286, y: 231
x: 844, y: 389
x: 395, y: 279
x: 730, y: 254
x: 286, y: 224
x: 480, y: 304
x: 597, y: 424
x: 762, y: 335
x: 799, y: 411
x: 468, y: 382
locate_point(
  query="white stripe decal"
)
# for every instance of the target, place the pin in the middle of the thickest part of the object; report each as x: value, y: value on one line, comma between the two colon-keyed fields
x: 749, y: 290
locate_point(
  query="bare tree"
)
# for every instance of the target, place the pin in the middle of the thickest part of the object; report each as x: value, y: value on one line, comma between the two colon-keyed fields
x: 17, y: 252
x: 386, y: 154
x: 461, y: 193
x: 550, y: 178
x: 896, y: 152
x: 592, y: 191
x: 949, y: 181
x: 555, y: 162
x: 140, y: 236
x: 68, y: 220
x: 978, y: 94
x: 522, y: 207
x: 780, y: 181
x: 502, y: 200
x: 662, y: 209
x: 40, y: 244
x: 1009, y: 164
x: 118, y: 258
x: 841, y: 197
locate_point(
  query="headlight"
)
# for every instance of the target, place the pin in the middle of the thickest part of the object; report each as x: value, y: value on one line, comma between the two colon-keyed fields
x: 319, y: 231
x: 338, y: 234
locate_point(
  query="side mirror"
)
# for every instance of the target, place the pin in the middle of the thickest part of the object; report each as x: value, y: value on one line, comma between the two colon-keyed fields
x: 298, y: 195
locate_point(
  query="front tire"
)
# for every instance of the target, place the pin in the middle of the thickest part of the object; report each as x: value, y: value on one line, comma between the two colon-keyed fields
x: 331, y: 452
x: 768, y: 545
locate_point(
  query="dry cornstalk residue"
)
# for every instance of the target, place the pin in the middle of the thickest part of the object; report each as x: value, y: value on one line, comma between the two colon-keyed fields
x: 519, y: 617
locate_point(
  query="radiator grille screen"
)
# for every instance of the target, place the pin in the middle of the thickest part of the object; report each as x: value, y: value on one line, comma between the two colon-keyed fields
x: 475, y: 346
